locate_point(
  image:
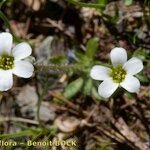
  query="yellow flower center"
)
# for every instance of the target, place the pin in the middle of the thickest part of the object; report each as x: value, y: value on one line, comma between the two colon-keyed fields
x: 118, y: 74
x: 6, y: 62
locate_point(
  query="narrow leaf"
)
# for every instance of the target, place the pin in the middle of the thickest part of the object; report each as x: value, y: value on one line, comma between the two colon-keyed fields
x: 102, y: 2
x: 128, y: 2
x: 91, y: 47
x: 73, y: 88
x: 87, y: 87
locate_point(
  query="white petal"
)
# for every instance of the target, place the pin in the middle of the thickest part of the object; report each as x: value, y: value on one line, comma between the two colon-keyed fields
x: 6, y: 80
x: 21, y: 51
x: 23, y: 69
x: 118, y: 55
x: 131, y: 84
x: 107, y: 88
x: 133, y: 66
x: 6, y: 40
x: 100, y: 72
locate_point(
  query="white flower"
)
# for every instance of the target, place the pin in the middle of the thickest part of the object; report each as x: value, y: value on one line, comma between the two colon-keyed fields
x: 12, y: 61
x: 121, y: 74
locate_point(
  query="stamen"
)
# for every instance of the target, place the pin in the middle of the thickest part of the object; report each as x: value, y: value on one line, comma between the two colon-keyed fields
x: 118, y: 74
x: 6, y: 62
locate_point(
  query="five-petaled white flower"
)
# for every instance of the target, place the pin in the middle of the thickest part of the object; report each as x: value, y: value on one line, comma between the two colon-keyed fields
x: 121, y: 74
x: 12, y: 61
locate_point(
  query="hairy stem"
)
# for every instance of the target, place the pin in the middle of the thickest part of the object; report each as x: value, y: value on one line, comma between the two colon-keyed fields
x: 59, y: 68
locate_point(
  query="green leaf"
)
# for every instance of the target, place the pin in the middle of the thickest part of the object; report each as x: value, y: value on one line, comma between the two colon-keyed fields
x: 6, y: 21
x: 141, y: 53
x: 128, y: 2
x: 87, y: 87
x: 95, y: 94
x: 80, y: 56
x: 1, y: 3
x: 73, y: 88
x: 30, y: 132
x: 60, y: 59
x: 102, y: 2
x: 81, y: 4
x: 91, y: 47
x: 143, y: 78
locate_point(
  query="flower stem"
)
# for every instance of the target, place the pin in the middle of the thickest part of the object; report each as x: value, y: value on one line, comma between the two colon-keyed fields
x: 59, y: 68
